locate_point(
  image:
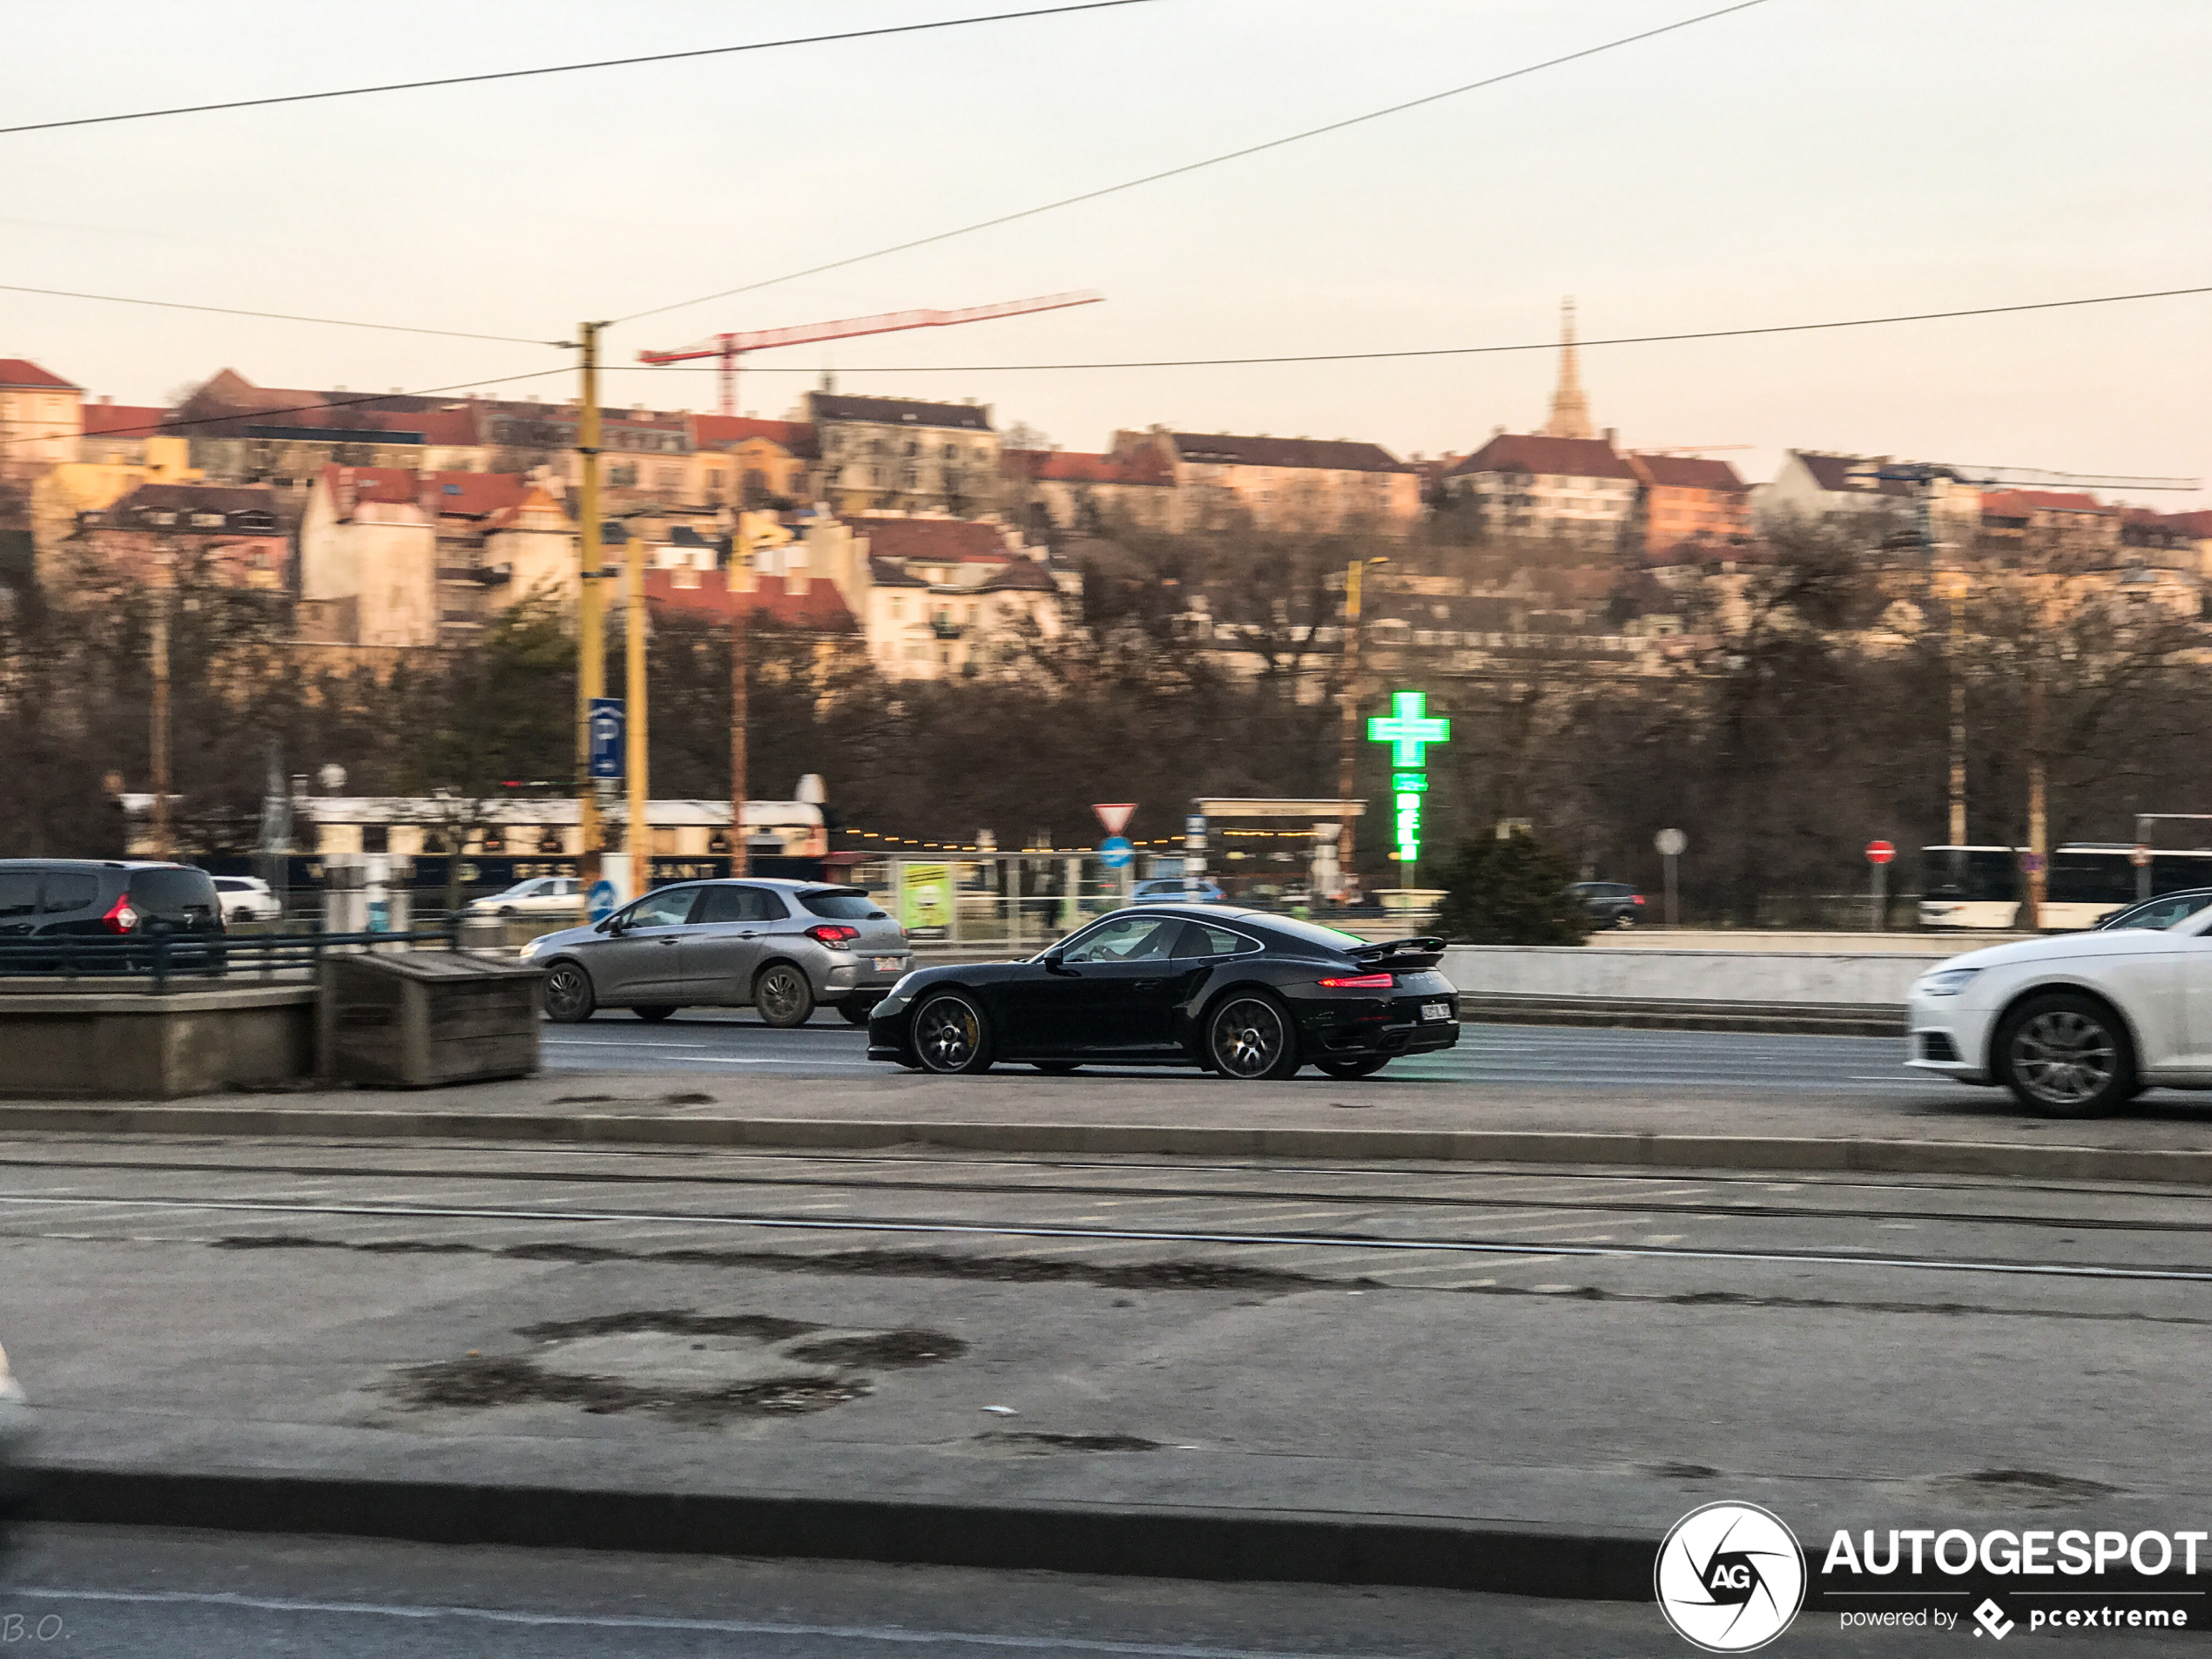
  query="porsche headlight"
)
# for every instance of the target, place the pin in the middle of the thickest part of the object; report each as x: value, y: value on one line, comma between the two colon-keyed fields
x: 1948, y: 982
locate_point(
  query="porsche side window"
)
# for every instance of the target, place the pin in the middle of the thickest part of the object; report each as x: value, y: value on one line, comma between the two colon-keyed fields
x: 1202, y: 939
x: 1128, y: 939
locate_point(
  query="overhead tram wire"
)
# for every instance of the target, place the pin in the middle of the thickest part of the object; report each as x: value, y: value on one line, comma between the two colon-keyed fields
x: 271, y: 316
x: 1468, y: 351
x: 572, y: 69
x: 158, y: 428
x: 1209, y: 161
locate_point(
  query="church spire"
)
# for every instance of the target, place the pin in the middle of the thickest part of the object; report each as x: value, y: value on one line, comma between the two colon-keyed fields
x: 1570, y: 416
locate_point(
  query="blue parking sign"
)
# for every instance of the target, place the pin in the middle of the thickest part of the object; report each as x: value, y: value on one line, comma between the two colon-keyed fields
x: 609, y: 725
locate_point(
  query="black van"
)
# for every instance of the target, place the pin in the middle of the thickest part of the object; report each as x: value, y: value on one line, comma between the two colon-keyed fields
x: 54, y: 900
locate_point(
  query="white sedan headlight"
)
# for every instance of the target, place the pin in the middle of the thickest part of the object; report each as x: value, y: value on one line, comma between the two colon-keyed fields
x: 1948, y: 982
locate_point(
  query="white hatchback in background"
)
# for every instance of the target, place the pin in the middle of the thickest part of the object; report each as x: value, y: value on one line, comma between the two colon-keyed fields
x: 246, y: 898
x: 542, y: 895
x: 2076, y: 1025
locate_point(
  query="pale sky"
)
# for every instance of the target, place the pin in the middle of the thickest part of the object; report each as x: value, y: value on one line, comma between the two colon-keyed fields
x: 1804, y: 160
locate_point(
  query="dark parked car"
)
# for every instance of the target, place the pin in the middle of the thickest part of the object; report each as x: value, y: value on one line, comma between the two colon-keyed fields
x: 2162, y: 912
x: 1611, y: 904
x: 47, y: 905
x: 1233, y: 991
x: 782, y: 948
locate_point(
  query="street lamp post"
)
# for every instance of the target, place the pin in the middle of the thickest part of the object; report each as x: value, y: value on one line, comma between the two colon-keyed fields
x: 1348, y: 728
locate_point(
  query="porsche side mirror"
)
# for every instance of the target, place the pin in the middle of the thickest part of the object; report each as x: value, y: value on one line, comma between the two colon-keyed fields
x: 1056, y: 963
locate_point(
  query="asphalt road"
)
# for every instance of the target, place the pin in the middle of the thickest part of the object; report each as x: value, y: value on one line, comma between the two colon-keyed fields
x: 92, y: 1591
x: 1535, y: 1055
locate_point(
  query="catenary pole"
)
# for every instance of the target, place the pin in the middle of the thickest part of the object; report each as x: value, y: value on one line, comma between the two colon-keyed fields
x: 590, y: 679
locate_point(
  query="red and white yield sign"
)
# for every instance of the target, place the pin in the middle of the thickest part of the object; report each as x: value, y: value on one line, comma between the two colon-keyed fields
x: 1879, y: 852
x: 1113, y: 813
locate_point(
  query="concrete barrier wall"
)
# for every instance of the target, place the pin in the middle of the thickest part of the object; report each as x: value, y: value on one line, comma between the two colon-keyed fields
x: 128, y: 1045
x: 1650, y: 971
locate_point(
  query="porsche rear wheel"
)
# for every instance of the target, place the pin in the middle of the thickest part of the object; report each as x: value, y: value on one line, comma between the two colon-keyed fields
x: 1248, y: 1037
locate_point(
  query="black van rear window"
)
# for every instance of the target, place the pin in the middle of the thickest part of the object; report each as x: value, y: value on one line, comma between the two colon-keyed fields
x: 171, y: 892
x: 18, y: 892
x: 70, y: 890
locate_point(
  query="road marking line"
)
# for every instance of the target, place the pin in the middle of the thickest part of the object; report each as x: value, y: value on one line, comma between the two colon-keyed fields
x: 904, y: 1638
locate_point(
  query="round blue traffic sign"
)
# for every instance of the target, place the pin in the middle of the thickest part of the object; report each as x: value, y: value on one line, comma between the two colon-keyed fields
x: 1114, y: 851
x: 600, y: 902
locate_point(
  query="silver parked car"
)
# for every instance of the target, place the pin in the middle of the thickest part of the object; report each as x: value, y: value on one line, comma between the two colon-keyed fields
x: 782, y: 947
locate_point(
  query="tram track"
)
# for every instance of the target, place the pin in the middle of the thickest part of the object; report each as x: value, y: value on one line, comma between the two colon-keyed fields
x: 1396, y: 1197
x: 942, y: 1228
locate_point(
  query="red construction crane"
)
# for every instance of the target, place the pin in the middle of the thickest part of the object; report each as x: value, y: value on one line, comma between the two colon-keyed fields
x: 730, y: 347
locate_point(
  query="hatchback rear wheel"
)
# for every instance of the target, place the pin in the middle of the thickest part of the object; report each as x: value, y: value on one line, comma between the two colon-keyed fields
x: 783, y: 996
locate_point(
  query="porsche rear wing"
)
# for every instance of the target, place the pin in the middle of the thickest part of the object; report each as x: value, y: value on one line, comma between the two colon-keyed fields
x: 1401, y: 956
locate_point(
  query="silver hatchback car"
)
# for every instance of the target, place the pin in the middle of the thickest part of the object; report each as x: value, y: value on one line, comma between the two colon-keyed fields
x: 782, y: 947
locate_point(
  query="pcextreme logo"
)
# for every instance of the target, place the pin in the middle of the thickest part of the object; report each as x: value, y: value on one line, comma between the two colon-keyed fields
x: 1731, y: 1577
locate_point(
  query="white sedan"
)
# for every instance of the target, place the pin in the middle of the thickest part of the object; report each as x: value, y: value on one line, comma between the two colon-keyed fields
x: 2075, y: 1025
x: 544, y: 896
x: 247, y: 898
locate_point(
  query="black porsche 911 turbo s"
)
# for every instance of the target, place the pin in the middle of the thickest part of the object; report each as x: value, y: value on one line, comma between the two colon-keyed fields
x: 1237, y: 992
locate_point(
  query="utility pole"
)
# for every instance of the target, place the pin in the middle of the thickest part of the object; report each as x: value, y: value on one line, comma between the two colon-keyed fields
x: 2039, y: 838
x: 636, y: 770
x: 590, y: 679
x: 1955, y: 590
x: 157, y: 735
x: 739, y: 591
x: 1348, y: 727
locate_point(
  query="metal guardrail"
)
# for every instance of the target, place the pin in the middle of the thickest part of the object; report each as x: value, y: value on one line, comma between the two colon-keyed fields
x: 178, y: 962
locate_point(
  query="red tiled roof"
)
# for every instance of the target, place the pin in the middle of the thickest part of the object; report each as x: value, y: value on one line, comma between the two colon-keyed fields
x: 1146, y: 466
x: 820, y: 609
x: 1688, y: 472
x: 20, y: 372
x: 1323, y: 455
x: 2197, y: 524
x: 2019, y: 502
x: 101, y: 419
x: 459, y: 495
x: 1559, y: 457
x: 930, y: 539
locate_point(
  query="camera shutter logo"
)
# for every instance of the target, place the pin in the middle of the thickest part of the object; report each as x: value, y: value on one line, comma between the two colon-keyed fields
x: 1731, y: 1577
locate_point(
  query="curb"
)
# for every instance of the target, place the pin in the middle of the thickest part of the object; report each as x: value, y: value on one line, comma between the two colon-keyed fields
x: 1120, y: 1540
x: 2014, y: 1160
x: 1651, y: 1014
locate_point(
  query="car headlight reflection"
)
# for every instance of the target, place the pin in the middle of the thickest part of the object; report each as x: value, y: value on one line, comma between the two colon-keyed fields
x: 1949, y: 981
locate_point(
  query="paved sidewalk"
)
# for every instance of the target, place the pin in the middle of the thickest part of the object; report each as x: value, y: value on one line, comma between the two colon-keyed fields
x: 1292, y: 1119
x: 1223, y: 1412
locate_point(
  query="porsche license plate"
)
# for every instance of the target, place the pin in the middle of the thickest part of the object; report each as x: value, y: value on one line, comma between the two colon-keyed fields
x: 886, y: 964
x: 1436, y: 1011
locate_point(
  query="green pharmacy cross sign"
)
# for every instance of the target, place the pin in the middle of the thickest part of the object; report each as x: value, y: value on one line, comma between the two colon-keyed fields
x: 1409, y: 729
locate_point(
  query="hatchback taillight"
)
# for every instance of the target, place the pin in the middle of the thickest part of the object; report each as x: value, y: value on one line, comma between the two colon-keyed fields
x: 121, y: 915
x: 1638, y: 900
x: 830, y: 933
x: 1362, y: 983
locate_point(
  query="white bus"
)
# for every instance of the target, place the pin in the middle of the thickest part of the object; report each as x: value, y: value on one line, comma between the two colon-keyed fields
x: 1980, y: 888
